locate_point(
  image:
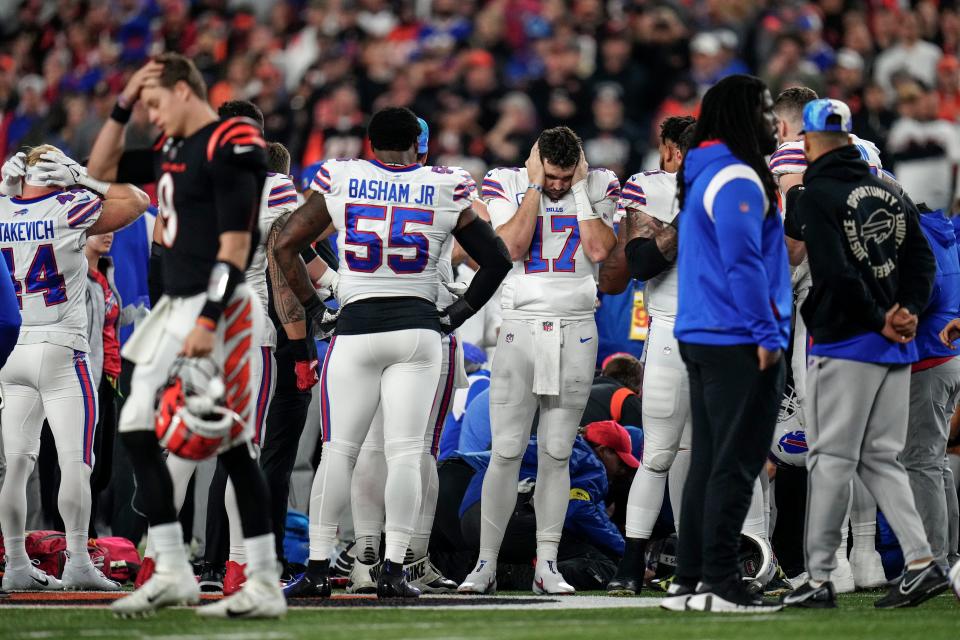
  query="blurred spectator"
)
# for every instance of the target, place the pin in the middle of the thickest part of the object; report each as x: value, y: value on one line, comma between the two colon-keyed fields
x: 924, y: 149
x: 789, y: 67
x: 611, y: 141
x: 509, y: 142
x: 874, y: 119
x: 25, y: 126
x: 615, y: 66
x: 948, y: 88
x: 560, y: 96
x: 916, y: 57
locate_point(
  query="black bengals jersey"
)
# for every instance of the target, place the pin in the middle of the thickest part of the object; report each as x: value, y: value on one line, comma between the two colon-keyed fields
x: 207, y: 183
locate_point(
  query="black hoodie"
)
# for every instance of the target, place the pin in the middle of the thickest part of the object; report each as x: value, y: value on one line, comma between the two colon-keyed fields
x: 865, y: 248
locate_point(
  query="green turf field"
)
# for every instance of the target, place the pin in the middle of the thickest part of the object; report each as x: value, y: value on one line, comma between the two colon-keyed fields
x: 856, y: 618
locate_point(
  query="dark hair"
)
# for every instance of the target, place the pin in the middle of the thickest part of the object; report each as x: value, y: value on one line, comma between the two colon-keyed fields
x: 729, y: 113
x: 790, y: 102
x: 673, y: 127
x: 687, y: 137
x: 179, y: 68
x: 278, y: 158
x: 626, y: 370
x: 560, y: 146
x: 241, y: 109
x: 393, y: 129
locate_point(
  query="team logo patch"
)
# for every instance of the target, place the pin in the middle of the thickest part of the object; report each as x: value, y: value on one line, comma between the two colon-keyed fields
x: 548, y: 326
x: 794, y: 442
x: 509, y: 338
x: 21, y: 212
x: 878, y: 226
x: 667, y: 350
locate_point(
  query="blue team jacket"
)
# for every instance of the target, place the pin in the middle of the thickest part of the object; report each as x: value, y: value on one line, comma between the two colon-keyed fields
x: 586, y: 512
x: 734, y: 278
x: 9, y: 314
x: 944, y: 303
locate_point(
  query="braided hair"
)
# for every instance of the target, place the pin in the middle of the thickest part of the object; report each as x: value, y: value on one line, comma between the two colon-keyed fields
x: 730, y: 113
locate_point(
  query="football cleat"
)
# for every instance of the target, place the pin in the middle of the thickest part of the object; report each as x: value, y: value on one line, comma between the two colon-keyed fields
x: 363, y: 578
x: 915, y: 587
x: 307, y: 586
x: 867, y: 569
x: 392, y: 582
x: 548, y: 581
x: 779, y: 586
x: 211, y: 579
x: 955, y: 579
x: 731, y: 596
x: 83, y: 576
x: 481, y: 581
x: 623, y: 587
x: 677, y: 596
x: 427, y: 578
x: 810, y: 597
x: 163, y: 589
x: 234, y: 577
x: 842, y: 576
x: 147, y: 567
x: 259, y: 597
x: 31, y: 578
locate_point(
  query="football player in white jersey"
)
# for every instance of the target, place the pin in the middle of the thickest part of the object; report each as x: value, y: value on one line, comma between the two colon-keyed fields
x: 556, y: 217
x: 42, y: 234
x: 863, y: 568
x: 369, y: 479
x: 394, y: 216
x: 647, y: 250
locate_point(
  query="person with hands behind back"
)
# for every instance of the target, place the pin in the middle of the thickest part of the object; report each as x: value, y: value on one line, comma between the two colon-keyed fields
x: 872, y: 273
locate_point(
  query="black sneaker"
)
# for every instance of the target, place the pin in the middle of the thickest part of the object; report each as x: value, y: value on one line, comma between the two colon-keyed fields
x: 211, y: 579
x: 678, y: 593
x: 811, y: 597
x: 392, y: 582
x: 313, y: 583
x: 915, y: 587
x: 778, y: 586
x: 729, y: 596
x: 620, y: 586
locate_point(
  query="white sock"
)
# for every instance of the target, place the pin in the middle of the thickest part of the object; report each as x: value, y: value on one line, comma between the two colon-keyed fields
x: 77, y: 552
x: 677, y: 479
x: 644, y: 502
x: 498, y: 497
x: 546, y: 551
x: 238, y: 547
x: 330, y: 496
x: 16, y: 552
x: 367, y: 549
x: 168, y: 546
x: 402, y: 495
x: 755, y: 522
x: 261, y: 554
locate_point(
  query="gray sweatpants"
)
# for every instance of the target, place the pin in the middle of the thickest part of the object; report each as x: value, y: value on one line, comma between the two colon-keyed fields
x: 932, y: 397
x: 856, y: 424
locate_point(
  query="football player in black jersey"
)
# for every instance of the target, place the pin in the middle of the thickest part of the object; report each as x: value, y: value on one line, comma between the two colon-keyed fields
x: 210, y: 174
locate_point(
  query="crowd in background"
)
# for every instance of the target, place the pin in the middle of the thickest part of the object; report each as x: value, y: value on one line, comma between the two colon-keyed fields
x: 487, y: 74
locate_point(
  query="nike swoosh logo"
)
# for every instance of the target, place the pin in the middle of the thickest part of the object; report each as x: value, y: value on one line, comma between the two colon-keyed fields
x: 239, y: 614
x: 585, y: 340
x: 43, y: 582
x: 910, y: 585
x: 243, y: 148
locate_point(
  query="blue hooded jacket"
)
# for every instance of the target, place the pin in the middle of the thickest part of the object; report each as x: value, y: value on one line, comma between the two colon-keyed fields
x: 586, y: 512
x: 944, y: 303
x: 732, y: 264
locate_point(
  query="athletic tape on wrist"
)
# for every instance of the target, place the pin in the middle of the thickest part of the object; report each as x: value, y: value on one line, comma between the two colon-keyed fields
x: 584, y: 208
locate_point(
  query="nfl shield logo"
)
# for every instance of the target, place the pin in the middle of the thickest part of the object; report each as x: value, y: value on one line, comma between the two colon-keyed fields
x: 548, y: 326
x: 509, y: 337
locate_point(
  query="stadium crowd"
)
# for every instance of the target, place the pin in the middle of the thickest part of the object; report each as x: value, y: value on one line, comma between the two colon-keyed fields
x: 629, y: 78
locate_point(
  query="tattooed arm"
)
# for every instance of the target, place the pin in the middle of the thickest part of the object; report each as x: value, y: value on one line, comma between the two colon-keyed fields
x: 301, y: 228
x: 614, y: 275
x: 289, y: 310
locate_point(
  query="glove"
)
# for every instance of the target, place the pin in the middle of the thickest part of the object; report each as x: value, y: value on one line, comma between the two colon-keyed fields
x: 13, y: 171
x: 328, y: 284
x: 58, y: 170
x: 322, y: 321
x: 305, y: 365
x: 325, y: 329
x: 456, y: 288
x: 455, y: 315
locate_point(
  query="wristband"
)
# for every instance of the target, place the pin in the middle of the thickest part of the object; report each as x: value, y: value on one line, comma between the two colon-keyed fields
x: 121, y: 114
x: 329, y: 279
x: 584, y: 208
x: 534, y: 186
x: 224, y: 278
x: 314, y: 309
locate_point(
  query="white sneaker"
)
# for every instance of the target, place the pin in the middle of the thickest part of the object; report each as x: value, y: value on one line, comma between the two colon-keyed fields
x: 799, y: 581
x: 717, y: 604
x: 867, y: 569
x: 677, y: 597
x: 363, y: 577
x: 482, y: 580
x: 955, y: 579
x: 163, y: 589
x: 842, y: 577
x: 260, y: 597
x: 547, y: 580
x: 30, y: 578
x: 423, y: 575
x: 80, y: 576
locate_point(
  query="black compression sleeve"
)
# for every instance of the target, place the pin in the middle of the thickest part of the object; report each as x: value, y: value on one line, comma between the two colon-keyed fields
x: 155, y: 273
x: 308, y: 253
x: 136, y: 167
x: 644, y: 259
x: 483, y: 245
x: 791, y: 221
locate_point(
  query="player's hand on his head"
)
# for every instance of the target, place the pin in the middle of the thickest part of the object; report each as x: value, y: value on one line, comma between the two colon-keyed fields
x: 580, y: 173
x: 12, y: 172
x: 145, y: 74
x: 59, y: 170
x: 767, y: 358
x: 534, y: 165
x: 950, y: 333
x: 199, y: 343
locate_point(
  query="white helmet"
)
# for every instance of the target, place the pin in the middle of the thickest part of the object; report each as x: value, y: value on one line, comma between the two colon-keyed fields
x: 789, y: 446
x: 192, y: 420
x: 757, y: 562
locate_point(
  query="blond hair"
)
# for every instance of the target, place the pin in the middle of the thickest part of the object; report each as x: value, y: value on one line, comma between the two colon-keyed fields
x: 33, y: 155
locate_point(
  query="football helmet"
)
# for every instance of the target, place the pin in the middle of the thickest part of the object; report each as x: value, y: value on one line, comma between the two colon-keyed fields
x: 789, y: 446
x: 192, y: 419
x: 758, y: 565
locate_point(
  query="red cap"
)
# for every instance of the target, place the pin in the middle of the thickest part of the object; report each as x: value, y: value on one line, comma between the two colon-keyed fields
x: 479, y: 58
x: 948, y: 63
x: 609, y: 433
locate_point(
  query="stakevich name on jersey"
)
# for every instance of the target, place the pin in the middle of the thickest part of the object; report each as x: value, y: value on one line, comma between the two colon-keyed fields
x: 555, y: 279
x: 394, y: 222
x: 42, y: 240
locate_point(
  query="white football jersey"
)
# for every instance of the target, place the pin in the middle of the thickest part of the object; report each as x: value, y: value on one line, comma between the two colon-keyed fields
x: 655, y: 194
x: 393, y: 222
x: 42, y: 240
x: 279, y: 196
x: 445, y: 263
x: 789, y: 156
x: 555, y: 279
